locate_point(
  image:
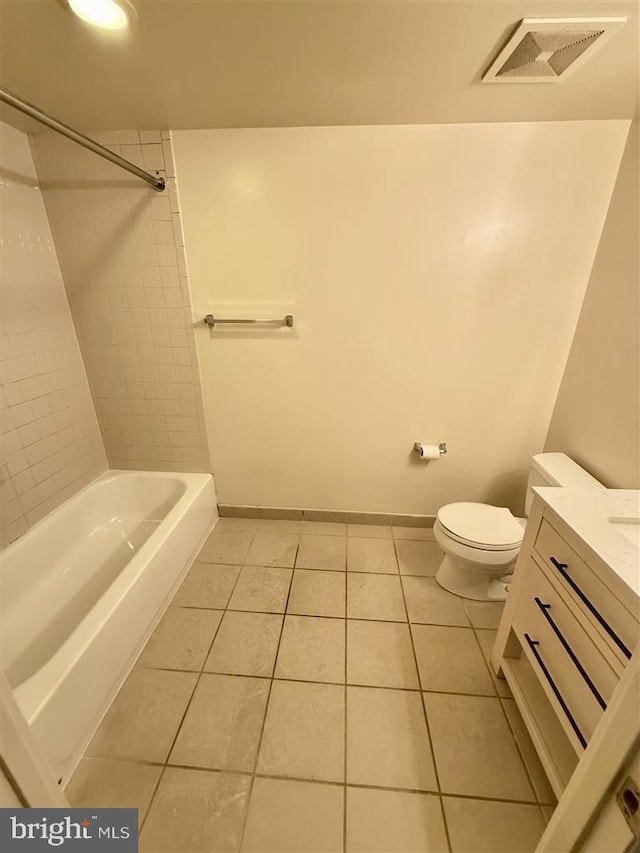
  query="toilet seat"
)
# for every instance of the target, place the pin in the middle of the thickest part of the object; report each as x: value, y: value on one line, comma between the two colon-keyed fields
x: 477, y: 525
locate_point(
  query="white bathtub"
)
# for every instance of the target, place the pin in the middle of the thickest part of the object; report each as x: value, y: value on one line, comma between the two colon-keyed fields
x: 82, y: 591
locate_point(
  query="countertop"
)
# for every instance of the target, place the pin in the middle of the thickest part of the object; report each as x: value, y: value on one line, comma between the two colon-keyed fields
x: 587, y: 513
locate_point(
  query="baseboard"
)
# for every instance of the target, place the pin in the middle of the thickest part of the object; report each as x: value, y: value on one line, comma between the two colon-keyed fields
x: 290, y: 514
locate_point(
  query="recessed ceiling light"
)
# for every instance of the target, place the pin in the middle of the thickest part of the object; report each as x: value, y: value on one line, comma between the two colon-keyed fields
x: 108, y: 14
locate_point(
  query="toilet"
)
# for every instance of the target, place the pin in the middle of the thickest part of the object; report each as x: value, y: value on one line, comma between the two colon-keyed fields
x: 481, y: 542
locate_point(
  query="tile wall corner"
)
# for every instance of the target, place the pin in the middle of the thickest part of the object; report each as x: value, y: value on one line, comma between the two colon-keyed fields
x: 121, y: 250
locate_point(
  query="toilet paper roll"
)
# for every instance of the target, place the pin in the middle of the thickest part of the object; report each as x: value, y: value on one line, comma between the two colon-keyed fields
x: 427, y: 451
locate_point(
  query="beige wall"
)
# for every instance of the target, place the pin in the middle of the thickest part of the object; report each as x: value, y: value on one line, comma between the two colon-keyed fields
x: 436, y: 274
x: 121, y: 252
x: 51, y: 445
x: 596, y: 419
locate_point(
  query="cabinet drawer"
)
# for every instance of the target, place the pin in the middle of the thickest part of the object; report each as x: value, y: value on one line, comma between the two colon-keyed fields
x: 563, y: 655
x: 617, y: 625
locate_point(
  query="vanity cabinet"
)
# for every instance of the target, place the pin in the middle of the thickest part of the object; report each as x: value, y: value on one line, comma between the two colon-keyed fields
x: 568, y: 630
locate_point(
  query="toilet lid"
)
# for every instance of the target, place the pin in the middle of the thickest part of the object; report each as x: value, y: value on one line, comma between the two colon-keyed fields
x: 491, y: 527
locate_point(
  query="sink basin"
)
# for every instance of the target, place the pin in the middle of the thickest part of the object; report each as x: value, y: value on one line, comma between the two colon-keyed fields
x: 629, y: 527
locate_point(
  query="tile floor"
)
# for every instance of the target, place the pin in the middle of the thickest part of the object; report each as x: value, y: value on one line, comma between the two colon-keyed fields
x: 311, y: 688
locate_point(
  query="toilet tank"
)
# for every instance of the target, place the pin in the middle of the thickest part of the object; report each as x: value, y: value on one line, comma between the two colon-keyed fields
x: 557, y: 469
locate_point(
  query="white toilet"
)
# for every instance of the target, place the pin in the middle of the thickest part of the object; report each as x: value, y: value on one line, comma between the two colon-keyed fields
x: 481, y: 542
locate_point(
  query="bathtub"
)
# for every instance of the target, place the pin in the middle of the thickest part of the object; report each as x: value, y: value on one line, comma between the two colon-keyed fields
x: 82, y: 591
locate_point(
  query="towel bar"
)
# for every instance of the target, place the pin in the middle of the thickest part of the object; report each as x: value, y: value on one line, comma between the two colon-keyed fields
x: 212, y: 321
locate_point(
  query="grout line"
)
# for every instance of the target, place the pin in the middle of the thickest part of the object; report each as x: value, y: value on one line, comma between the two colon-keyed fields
x: 266, y: 710
x: 298, y: 567
x: 245, y: 773
x: 329, y: 616
x: 252, y: 780
x: 489, y: 799
x: 484, y: 661
x: 152, y: 798
x: 506, y: 716
x: 501, y: 699
x: 424, y: 711
x: 519, y: 750
x: 334, y: 683
x: 346, y: 715
x: 182, y: 719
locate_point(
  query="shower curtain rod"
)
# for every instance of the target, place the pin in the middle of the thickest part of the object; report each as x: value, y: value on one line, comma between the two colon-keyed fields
x: 36, y: 113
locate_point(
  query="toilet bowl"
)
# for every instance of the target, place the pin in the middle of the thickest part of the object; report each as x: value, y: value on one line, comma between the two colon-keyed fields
x: 481, y: 544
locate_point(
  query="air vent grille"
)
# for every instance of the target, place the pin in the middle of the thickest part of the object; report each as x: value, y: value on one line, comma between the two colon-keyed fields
x: 545, y: 50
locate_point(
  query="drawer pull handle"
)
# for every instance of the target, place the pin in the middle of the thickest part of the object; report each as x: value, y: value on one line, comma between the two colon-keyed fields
x: 552, y: 685
x: 545, y: 608
x: 562, y: 568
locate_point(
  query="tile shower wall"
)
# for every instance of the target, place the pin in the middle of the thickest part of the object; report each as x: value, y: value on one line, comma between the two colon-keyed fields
x: 51, y: 443
x: 121, y: 251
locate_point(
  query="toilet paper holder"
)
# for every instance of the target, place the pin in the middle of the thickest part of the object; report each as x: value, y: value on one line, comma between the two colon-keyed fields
x: 419, y: 448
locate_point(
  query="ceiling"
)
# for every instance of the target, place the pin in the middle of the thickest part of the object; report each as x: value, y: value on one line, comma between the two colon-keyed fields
x: 209, y: 64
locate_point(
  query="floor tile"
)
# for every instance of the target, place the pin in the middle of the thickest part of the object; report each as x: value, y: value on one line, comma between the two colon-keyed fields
x: 394, y: 822
x: 222, y: 547
x: 195, y: 810
x: 539, y: 780
x: 371, y: 555
x: 418, y: 558
x: 144, y: 717
x: 294, y: 817
x: 387, y: 740
x: 312, y: 649
x: 322, y: 552
x: 370, y: 531
x: 316, y: 593
x: 261, y: 589
x: 380, y: 654
x: 207, y: 585
x: 375, y: 597
x: 484, y: 614
x: 222, y: 727
x: 246, y: 644
x: 474, y: 749
x: 105, y: 784
x: 233, y: 525
x: 481, y: 826
x: 424, y: 534
x: 450, y: 660
x: 324, y: 528
x: 304, y: 732
x: 486, y: 639
x: 182, y: 639
x: 273, y: 549
x: 428, y: 603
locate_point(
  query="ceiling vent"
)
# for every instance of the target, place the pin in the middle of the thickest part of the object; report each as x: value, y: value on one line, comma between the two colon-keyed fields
x: 546, y: 50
